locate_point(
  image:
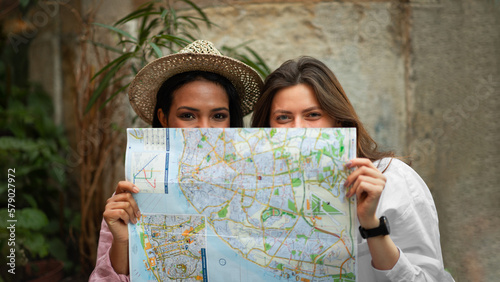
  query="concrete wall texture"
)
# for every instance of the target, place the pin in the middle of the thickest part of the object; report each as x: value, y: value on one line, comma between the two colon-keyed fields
x: 455, y: 103
x: 424, y: 77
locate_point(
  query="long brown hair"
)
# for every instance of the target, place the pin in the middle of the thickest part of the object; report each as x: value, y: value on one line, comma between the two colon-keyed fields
x: 330, y: 95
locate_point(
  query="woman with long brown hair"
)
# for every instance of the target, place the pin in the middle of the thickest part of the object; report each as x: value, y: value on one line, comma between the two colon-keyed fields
x: 306, y: 93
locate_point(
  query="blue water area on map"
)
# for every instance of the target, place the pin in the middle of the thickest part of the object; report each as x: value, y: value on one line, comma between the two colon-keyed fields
x: 137, y: 257
x: 236, y: 268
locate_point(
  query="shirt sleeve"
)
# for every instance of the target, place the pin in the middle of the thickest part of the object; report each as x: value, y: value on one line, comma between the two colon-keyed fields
x: 103, y: 270
x: 412, y: 215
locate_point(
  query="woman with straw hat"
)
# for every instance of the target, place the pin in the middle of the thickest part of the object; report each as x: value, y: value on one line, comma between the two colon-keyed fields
x: 196, y: 87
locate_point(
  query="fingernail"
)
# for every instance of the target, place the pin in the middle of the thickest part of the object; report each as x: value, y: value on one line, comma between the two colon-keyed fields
x: 346, y: 183
x: 348, y: 164
x: 138, y: 214
x: 135, y: 189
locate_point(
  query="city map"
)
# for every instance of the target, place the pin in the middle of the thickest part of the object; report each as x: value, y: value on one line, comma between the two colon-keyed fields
x: 242, y: 204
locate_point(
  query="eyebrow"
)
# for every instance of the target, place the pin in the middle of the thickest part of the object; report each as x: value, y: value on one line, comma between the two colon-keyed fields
x: 281, y: 112
x: 220, y: 109
x: 188, y: 108
x: 288, y: 112
x: 311, y: 109
x: 197, y: 110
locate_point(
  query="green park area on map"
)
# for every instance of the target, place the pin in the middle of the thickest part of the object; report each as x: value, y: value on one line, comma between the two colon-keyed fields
x: 273, y: 198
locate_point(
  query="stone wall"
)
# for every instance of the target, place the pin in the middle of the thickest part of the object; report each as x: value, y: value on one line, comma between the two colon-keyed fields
x: 455, y: 103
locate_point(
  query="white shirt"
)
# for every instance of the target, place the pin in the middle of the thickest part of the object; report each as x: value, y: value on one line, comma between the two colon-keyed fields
x: 414, y: 228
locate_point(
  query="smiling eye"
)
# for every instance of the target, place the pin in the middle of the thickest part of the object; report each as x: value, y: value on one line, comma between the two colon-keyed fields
x: 220, y: 116
x: 282, y: 117
x: 314, y: 115
x: 186, y: 116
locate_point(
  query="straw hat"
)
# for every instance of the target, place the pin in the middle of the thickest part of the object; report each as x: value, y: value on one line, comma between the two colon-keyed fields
x: 200, y: 55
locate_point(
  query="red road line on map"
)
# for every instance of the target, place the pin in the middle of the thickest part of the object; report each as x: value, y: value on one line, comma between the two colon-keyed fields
x: 154, y: 186
x: 347, y: 249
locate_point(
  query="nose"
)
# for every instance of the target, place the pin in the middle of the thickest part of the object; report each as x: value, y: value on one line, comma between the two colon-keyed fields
x: 203, y: 123
x: 299, y: 123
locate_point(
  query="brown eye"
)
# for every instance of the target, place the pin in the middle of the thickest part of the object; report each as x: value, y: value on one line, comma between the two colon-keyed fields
x: 186, y: 116
x: 220, y: 116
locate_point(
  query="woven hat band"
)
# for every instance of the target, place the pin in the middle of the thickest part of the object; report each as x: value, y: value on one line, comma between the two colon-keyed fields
x: 200, y: 47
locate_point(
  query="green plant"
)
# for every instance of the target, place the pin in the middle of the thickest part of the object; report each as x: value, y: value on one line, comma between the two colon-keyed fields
x: 32, y: 146
x: 162, y: 30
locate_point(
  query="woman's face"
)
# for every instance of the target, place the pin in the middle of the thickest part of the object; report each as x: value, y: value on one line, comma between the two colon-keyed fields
x: 297, y: 106
x: 200, y: 104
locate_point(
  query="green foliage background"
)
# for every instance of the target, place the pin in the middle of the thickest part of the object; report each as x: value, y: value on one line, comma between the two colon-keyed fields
x: 32, y: 149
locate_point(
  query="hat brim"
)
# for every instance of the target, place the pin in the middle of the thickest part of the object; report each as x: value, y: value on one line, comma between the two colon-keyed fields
x: 144, y: 88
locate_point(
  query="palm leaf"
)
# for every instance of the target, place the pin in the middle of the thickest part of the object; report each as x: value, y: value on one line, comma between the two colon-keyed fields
x: 105, y: 46
x: 157, y: 49
x: 209, y: 23
x: 181, y: 42
x: 260, y: 61
x: 136, y: 14
x: 117, y: 30
x: 144, y: 33
x: 104, y: 84
x: 113, y: 95
x: 200, y: 12
x: 164, y: 12
x: 114, y: 62
x: 189, y: 23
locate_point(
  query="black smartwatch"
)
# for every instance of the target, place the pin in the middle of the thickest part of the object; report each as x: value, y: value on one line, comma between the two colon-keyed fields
x: 382, y: 229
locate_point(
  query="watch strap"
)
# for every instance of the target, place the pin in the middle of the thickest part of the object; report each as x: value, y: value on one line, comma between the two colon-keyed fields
x: 382, y: 229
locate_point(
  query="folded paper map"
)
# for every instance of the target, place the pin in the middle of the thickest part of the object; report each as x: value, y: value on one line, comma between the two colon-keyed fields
x: 242, y: 204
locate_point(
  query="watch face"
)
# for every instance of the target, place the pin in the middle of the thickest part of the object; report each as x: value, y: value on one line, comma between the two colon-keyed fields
x: 386, y: 223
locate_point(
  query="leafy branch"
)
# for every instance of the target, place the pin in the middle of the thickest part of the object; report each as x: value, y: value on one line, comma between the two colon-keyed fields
x: 162, y: 30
